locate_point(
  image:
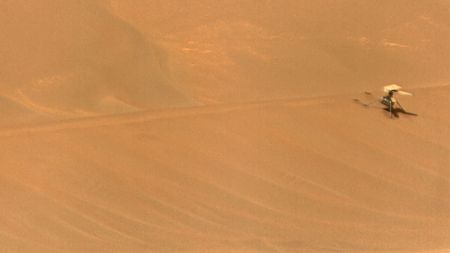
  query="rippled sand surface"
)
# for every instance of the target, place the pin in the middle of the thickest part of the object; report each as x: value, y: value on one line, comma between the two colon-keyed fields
x: 171, y: 126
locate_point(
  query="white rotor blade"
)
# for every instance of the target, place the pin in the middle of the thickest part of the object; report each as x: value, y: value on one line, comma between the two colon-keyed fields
x: 390, y: 87
x: 404, y: 93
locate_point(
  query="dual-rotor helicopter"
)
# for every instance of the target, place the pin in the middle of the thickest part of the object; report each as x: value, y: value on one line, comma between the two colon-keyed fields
x: 392, y: 104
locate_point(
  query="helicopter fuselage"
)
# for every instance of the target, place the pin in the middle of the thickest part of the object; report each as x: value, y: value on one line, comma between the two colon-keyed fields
x: 388, y: 101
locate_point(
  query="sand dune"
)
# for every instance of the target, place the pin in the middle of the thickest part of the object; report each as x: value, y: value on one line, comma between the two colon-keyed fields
x: 174, y: 126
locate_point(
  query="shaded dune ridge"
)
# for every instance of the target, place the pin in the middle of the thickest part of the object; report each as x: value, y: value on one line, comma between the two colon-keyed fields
x: 71, y: 58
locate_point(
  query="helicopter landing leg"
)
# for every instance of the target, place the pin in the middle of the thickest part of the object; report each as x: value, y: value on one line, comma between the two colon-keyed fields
x: 401, y: 107
x: 390, y: 109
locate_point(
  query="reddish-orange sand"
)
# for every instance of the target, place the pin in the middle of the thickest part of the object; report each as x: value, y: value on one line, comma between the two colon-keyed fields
x: 223, y: 126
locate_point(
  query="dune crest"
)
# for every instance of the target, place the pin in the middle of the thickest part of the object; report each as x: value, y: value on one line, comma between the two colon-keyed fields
x: 240, y: 50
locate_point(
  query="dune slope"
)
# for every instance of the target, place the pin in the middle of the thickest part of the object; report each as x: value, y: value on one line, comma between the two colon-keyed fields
x: 294, y: 175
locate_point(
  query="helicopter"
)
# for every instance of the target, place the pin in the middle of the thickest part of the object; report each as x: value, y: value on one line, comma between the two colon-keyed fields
x: 392, y: 104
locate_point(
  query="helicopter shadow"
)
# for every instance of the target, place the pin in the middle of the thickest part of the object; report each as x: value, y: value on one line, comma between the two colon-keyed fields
x: 397, y: 111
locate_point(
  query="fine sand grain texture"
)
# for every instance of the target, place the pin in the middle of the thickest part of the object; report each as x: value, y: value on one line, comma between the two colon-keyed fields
x: 223, y: 126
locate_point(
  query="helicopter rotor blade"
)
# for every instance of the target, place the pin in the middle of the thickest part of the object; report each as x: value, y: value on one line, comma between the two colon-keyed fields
x: 368, y: 103
x: 404, y: 93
